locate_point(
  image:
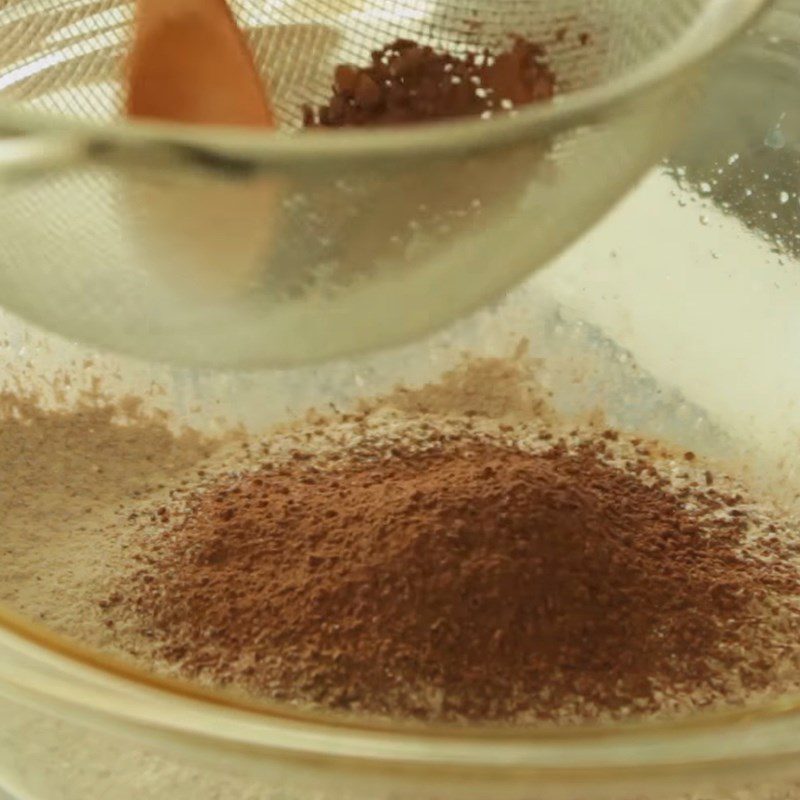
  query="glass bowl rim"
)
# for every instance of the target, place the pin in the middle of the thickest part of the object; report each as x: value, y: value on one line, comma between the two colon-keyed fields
x: 122, y: 694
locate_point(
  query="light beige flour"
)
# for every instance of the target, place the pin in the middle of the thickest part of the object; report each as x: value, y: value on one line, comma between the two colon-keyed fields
x: 68, y: 479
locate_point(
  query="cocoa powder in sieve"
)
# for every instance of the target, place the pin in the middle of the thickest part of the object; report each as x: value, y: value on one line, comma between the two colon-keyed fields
x: 408, y: 82
x: 446, y: 574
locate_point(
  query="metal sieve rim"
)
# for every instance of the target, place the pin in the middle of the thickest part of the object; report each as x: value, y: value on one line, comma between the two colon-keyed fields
x: 719, y: 21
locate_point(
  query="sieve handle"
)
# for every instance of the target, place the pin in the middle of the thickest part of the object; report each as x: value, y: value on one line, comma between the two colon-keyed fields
x: 26, y: 157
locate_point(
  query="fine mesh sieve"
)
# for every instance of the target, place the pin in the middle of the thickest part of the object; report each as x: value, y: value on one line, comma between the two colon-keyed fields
x: 231, y: 248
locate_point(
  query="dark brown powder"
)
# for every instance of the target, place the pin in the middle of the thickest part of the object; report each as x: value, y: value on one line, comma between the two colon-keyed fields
x: 464, y: 579
x: 408, y: 82
x: 362, y: 222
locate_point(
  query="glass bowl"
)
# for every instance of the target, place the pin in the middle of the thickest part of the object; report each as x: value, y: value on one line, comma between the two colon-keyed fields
x: 676, y: 316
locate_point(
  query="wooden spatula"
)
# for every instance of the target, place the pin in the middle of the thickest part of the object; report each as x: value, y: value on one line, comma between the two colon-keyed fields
x: 189, y: 63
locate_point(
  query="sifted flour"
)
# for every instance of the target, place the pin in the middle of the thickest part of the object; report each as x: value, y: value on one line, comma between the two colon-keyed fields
x: 454, y: 552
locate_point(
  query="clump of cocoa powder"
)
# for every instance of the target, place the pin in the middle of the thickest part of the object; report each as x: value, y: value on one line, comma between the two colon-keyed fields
x: 408, y: 82
x: 444, y: 574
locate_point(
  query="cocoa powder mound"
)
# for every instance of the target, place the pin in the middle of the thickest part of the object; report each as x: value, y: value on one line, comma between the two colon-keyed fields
x: 408, y: 82
x: 462, y: 577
